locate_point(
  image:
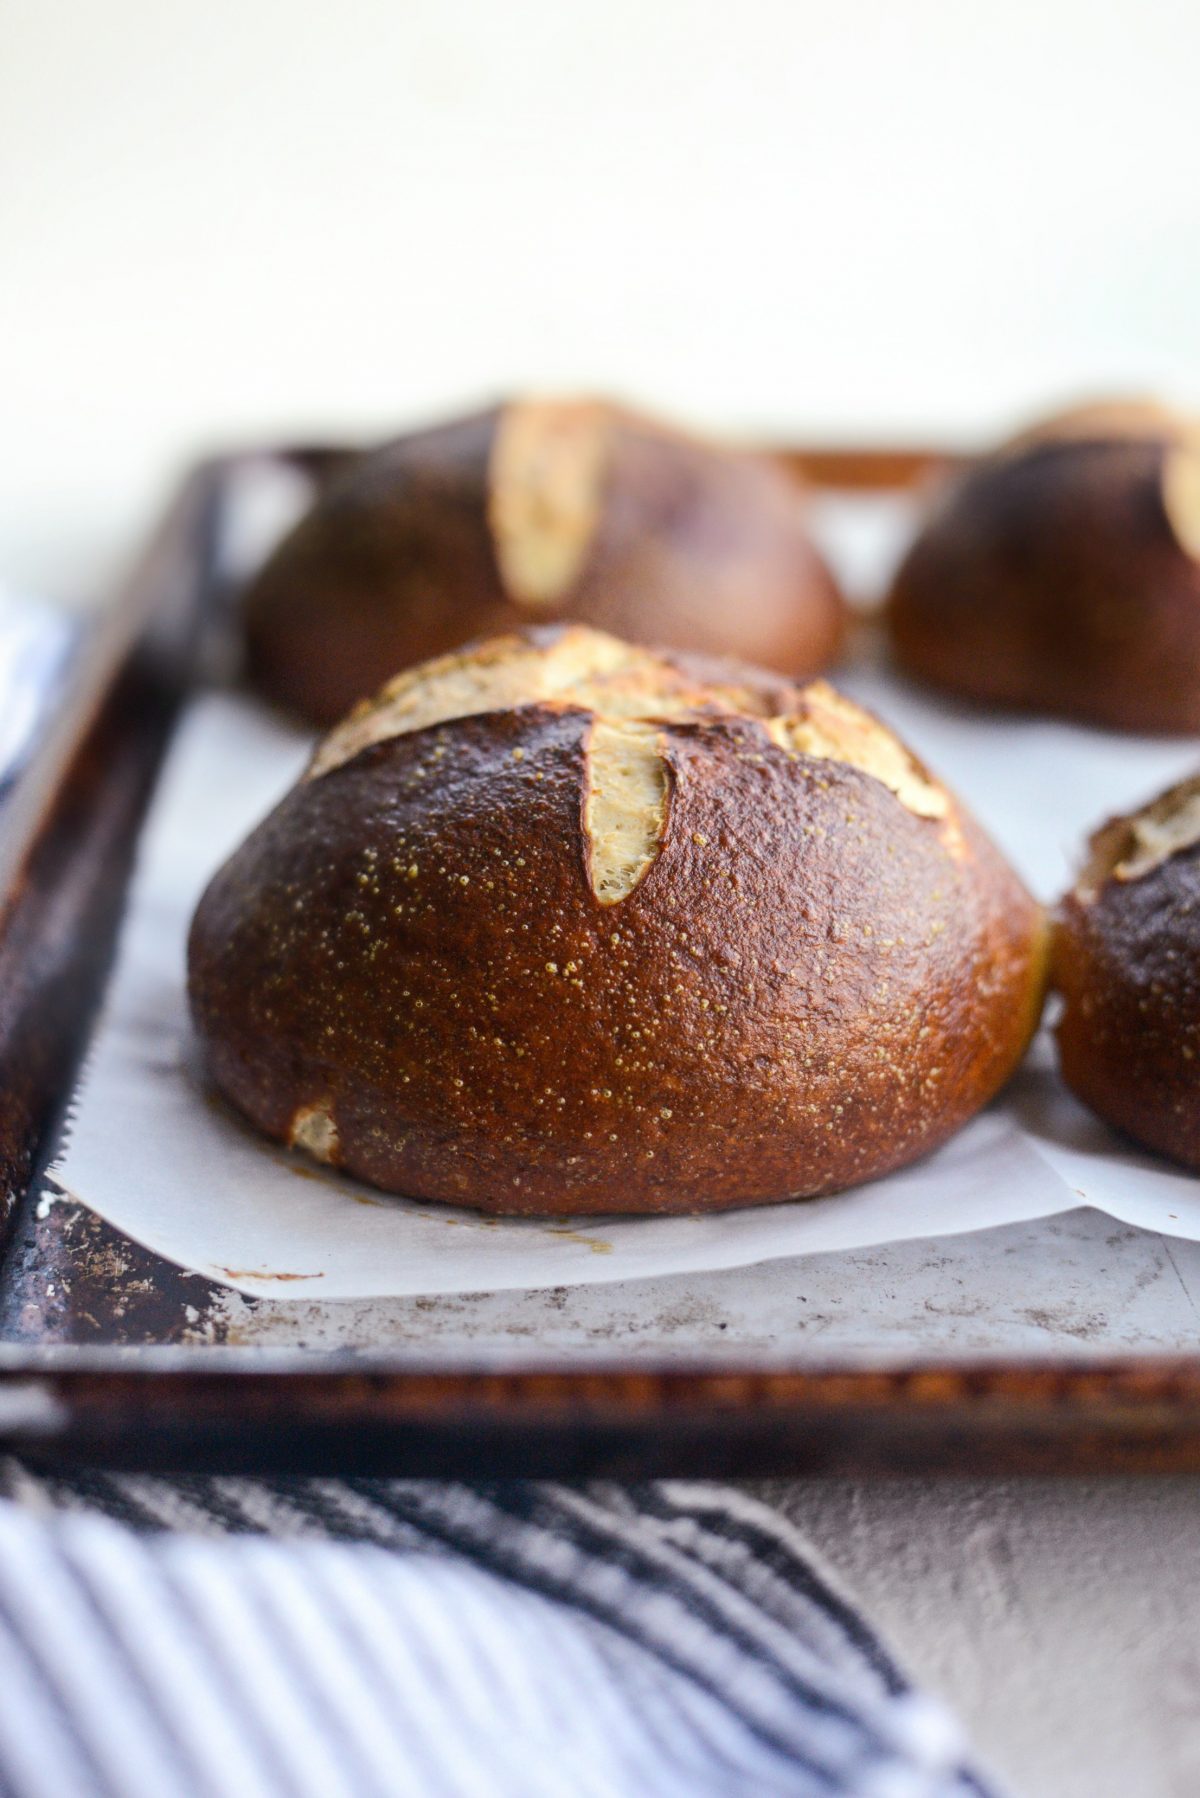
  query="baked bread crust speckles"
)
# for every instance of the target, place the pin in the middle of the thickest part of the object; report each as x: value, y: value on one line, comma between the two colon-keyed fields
x: 547, y: 510
x: 1062, y: 575
x: 764, y: 970
x: 1127, y: 963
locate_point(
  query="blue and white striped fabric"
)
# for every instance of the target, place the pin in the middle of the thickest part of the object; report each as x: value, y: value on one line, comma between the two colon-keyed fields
x: 231, y: 1638
x: 35, y: 641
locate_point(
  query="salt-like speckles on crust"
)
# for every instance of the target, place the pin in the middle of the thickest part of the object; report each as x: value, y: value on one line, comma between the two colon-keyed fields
x: 514, y: 996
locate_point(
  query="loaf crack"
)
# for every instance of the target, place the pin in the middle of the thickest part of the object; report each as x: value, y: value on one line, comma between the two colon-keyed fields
x: 314, y: 1129
x: 833, y: 728
x: 625, y: 809
x: 1130, y: 848
x: 546, y: 480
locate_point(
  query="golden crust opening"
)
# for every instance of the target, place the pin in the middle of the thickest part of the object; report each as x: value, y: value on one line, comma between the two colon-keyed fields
x: 625, y: 812
x: 832, y: 728
x: 579, y: 666
x: 624, y: 685
x: 314, y: 1130
x: 546, y: 479
x: 1129, y: 848
x: 1181, y: 494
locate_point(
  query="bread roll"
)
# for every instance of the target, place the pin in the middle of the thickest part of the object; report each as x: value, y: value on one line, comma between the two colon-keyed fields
x: 536, y: 512
x: 552, y: 926
x: 1062, y: 575
x: 1127, y: 962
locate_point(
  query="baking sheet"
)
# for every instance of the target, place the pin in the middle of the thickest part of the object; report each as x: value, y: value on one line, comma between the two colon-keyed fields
x: 166, y: 1162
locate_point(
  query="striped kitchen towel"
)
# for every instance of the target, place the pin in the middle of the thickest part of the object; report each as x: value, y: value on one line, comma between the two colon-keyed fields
x: 231, y: 1638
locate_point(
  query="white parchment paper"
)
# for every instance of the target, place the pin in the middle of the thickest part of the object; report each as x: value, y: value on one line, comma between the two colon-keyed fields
x: 167, y: 1163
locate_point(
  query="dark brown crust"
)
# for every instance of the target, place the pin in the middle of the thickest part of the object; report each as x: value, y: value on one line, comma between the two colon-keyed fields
x: 1050, y: 580
x: 1127, y: 962
x: 698, y: 546
x: 323, y: 625
x: 808, y: 988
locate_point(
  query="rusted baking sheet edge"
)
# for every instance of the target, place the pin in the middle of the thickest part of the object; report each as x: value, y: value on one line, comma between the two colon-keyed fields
x: 70, y: 827
x: 281, y: 1413
x: 869, y: 468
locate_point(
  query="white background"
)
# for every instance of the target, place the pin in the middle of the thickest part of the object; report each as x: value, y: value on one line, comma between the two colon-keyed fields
x: 860, y: 217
